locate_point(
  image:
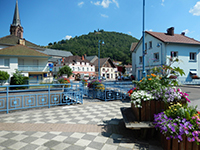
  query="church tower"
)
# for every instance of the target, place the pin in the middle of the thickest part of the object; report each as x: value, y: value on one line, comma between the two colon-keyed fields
x: 16, y: 28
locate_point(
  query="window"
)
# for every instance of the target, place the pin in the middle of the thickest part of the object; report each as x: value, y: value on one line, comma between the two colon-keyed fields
x: 6, y: 62
x: 73, y: 68
x: 193, y: 56
x: 91, y: 69
x: 140, y: 59
x: 83, y: 69
x: 174, y: 54
x: 87, y: 69
x: 150, y: 44
x: 145, y: 46
x: 156, y: 56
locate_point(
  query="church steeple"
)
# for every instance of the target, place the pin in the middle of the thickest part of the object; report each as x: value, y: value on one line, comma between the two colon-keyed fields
x: 16, y: 28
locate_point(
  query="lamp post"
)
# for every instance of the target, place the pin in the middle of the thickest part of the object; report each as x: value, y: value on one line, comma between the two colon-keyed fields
x: 143, y: 41
x: 100, y: 41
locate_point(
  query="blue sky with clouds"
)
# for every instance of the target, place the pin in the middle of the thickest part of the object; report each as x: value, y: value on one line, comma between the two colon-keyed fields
x: 46, y: 21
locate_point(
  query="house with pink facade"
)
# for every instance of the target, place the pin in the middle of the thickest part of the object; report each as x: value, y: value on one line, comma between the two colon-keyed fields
x: 79, y: 65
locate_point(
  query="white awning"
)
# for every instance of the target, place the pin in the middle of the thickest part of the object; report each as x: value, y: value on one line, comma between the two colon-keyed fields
x: 193, y: 72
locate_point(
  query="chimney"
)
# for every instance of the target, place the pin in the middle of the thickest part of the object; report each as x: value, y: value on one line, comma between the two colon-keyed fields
x: 21, y: 41
x: 85, y: 55
x: 183, y: 33
x: 170, y: 31
x: 82, y: 57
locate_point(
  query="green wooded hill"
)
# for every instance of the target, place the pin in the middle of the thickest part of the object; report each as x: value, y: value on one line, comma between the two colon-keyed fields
x: 116, y: 45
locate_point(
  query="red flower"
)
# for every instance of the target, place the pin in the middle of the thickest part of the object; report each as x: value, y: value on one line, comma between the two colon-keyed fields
x: 198, y: 112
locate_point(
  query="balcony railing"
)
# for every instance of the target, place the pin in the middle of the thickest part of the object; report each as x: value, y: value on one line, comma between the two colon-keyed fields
x: 33, y: 68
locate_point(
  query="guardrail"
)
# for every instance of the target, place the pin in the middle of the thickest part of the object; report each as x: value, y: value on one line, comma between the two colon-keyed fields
x: 18, y: 97
x: 112, y: 91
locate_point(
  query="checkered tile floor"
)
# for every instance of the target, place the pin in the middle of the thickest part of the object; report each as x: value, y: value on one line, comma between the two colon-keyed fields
x: 92, y: 126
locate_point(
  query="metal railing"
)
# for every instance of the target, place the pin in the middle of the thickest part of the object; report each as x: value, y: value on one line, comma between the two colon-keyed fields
x: 32, y: 68
x: 18, y: 97
x: 111, y: 91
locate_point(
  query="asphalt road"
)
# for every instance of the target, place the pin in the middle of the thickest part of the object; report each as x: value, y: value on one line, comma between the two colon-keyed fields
x: 194, y: 94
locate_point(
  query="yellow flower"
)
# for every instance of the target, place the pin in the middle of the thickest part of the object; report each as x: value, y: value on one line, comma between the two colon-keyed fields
x: 140, y: 81
x: 153, y: 75
x: 149, y: 79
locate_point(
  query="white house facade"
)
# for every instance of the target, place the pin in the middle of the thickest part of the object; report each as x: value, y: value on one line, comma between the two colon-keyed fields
x: 161, y: 46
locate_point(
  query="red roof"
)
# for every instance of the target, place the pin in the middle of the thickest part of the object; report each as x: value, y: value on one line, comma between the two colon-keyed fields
x: 176, y: 38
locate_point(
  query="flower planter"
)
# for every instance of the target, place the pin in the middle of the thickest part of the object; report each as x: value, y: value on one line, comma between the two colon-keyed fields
x: 173, y: 144
x: 149, y: 108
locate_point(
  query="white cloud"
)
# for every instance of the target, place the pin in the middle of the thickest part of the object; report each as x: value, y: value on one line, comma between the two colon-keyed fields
x: 162, y: 2
x: 186, y: 31
x: 129, y: 32
x: 80, y: 4
x: 67, y: 37
x: 103, y: 15
x: 196, y: 9
x: 150, y: 29
x: 117, y: 4
x: 105, y: 3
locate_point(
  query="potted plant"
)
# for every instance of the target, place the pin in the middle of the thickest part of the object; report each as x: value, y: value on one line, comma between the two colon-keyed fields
x: 65, y: 81
x: 155, y: 91
x: 153, y: 96
x: 195, y: 77
x: 179, y: 127
x: 94, y: 87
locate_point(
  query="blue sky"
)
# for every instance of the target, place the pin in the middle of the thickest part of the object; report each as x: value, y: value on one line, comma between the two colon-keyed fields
x: 46, y: 21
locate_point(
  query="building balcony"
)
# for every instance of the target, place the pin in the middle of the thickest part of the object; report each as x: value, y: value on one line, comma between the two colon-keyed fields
x: 33, y: 68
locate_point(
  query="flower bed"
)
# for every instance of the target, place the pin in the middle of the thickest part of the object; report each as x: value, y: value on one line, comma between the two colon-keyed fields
x: 179, y: 127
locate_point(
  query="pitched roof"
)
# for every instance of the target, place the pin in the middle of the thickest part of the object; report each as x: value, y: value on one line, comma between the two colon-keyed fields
x: 54, y: 52
x: 176, y: 38
x: 76, y: 58
x: 14, y: 40
x: 91, y: 58
x: 103, y: 61
x: 21, y: 50
x: 133, y: 45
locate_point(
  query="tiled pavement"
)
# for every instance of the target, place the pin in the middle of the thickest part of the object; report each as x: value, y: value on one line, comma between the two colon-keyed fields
x: 92, y: 126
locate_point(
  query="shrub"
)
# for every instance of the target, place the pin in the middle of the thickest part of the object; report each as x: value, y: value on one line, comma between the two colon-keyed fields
x: 3, y: 76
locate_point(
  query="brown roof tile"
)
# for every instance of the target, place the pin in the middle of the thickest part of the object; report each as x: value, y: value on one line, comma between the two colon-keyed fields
x: 133, y: 45
x: 75, y: 58
x: 176, y: 38
x: 14, y: 40
x: 21, y: 50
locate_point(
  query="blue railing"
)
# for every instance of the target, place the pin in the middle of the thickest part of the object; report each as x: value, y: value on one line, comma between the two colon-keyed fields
x: 18, y: 97
x: 112, y: 91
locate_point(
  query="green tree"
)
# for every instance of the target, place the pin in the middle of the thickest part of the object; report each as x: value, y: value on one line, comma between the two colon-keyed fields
x: 17, y: 78
x: 65, y: 70
x: 3, y: 76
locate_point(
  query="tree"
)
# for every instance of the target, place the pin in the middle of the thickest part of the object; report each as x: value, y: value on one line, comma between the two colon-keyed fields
x: 17, y: 78
x: 3, y: 76
x: 65, y: 70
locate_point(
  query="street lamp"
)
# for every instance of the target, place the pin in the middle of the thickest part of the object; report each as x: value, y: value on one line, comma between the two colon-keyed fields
x: 100, y: 41
x: 143, y: 41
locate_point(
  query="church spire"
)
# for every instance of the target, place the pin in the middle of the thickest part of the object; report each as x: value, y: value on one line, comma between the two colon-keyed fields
x: 16, y: 19
x: 16, y: 28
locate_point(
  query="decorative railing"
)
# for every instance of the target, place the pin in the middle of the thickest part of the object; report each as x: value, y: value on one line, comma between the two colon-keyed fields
x: 33, y: 68
x: 18, y: 97
x: 112, y: 91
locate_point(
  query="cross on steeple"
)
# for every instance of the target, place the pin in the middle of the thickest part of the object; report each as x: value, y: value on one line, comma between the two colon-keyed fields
x: 16, y: 28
